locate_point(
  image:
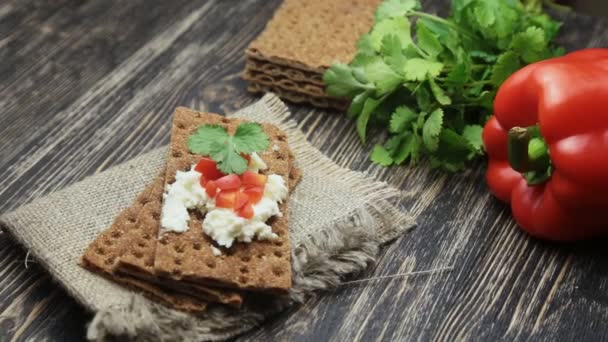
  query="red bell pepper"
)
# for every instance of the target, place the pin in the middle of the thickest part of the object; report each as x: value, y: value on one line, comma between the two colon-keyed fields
x: 548, y: 146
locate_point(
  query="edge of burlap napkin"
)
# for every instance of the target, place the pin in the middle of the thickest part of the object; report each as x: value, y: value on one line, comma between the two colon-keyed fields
x: 321, y: 256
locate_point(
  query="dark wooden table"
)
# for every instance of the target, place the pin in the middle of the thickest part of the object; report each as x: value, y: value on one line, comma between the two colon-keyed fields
x: 85, y: 85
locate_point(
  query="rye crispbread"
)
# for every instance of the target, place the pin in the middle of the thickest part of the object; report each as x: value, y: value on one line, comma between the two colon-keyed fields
x: 100, y: 257
x: 256, y: 266
x: 130, y: 243
x: 303, y: 87
x: 321, y: 102
x: 136, y: 259
x: 311, y: 35
x: 274, y: 70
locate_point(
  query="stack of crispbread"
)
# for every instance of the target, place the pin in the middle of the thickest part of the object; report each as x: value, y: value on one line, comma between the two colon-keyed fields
x: 300, y: 42
x: 181, y: 270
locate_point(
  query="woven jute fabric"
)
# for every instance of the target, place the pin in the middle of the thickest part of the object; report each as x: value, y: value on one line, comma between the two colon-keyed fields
x: 338, y: 221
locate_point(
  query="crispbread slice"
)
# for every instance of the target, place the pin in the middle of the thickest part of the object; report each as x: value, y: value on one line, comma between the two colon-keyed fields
x: 132, y: 235
x: 136, y: 258
x: 290, y: 73
x: 256, y: 266
x: 302, y: 87
x: 311, y: 35
x: 295, y: 97
x: 100, y: 257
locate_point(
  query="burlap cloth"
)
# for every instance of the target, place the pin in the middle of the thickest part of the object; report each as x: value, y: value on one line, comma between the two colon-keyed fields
x: 338, y: 220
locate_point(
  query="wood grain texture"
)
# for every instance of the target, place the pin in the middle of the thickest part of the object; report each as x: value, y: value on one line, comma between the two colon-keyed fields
x: 87, y: 84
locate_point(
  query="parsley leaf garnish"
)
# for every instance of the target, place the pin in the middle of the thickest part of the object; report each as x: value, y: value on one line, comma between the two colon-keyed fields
x: 215, y: 142
x: 430, y: 81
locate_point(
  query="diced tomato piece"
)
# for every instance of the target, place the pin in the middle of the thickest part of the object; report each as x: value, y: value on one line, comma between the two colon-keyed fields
x: 253, y: 178
x: 230, y: 182
x: 241, y: 200
x: 247, y: 157
x: 211, y: 188
x: 208, y: 168
x: 255, y: 193
x: 226, y: 199
x: 246, y: 211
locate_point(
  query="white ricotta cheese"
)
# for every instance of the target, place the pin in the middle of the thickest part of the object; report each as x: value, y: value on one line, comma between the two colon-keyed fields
x: 221, y: 224
x: 256, y: 164
x: 185, y: 193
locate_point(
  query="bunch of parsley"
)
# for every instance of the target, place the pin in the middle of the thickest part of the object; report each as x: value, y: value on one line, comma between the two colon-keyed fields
x: 431, y: 80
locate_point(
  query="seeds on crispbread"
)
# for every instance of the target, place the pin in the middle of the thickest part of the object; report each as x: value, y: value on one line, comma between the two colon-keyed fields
x: 256, y: 266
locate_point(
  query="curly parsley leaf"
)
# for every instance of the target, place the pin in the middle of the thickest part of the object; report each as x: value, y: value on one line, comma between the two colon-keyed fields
x: 402, y: 116
x: 418, y: 69
x: 398, y: 26
x: 396, y: 8
x: 431, y: 129
x: 472, y: 134
x: 427, y: 41
x: 506, y: 65
x: 215, y: 142
x: 201, y: 142
x: 368, y: 107
x: 431, y: 81
x: 341, y: 81
x: 250, y: 137
x: 381, y: 156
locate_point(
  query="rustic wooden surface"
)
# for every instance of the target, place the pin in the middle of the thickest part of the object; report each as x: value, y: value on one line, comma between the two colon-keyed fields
x: 87, y: 84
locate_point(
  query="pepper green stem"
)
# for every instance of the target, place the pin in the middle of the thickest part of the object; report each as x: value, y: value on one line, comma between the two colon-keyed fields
x: 529, y: 154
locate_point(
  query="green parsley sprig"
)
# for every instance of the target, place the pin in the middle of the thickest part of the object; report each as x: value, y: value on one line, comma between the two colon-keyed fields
x: 431, y: 81
x: 215, y: 142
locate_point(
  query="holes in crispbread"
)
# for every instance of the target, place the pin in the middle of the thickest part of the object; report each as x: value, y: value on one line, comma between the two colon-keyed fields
x: 131, y: 219
x: 279, y: 156
x: 210, y: 264
x: 282, y: 137
x: 176, y: 154
x: 197, y: 246
x: 108, y: 242
x: 278, y: 243
x: 244, y: 270
x: 243, y: 280
x: 277, y: 271
x: 278, y: 254
x: 142, y: 243
x: 149, y: 262
x: 100, y: 250
x: 179, y: 248
x: 163, y: 240
x: 138, y: 254
x: 146, y: 236
x: 156, y: 215
x: 180, y: 125
x: 116, y: 234
x: 110, y: 260
x: 177, y: 261
x: 225, y: 121
x: 245, y: 258
x: 176, y: 271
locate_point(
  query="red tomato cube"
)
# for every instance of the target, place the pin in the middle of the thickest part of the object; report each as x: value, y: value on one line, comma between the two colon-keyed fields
x: 246, y: 211
x: 252, y: 178
x: 211, y: 188
x: 226, y: 199
x: 230, y: 182
x: 208, y: 168
x: 241, y: 200
x: 255, y: 193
